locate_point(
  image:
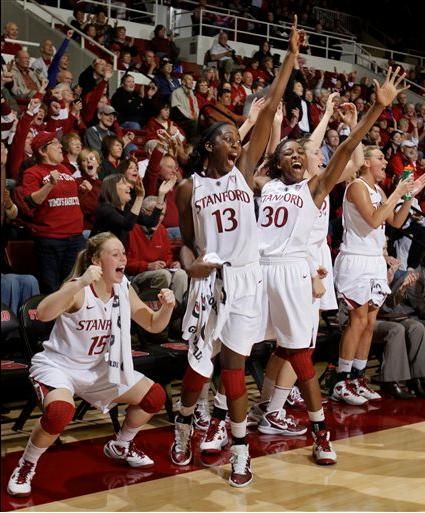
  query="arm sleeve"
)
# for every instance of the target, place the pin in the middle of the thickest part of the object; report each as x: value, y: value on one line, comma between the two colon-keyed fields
x: 54, y: 66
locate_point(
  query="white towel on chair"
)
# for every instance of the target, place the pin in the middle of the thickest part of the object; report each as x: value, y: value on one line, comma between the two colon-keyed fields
x: 120, y: 361
x: 205, y: 317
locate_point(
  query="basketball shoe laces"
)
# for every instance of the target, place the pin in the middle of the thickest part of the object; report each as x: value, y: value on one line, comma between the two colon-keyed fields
x: 240, y: 463
x: 281, y: 418
x: 24, y: 472
x: 363, y: 382
x: 294, y: 395
x: 351, y: 387
x: 182, y: 436
x: 134, y: 451
x: 213, y: 430
x: 322, y: 441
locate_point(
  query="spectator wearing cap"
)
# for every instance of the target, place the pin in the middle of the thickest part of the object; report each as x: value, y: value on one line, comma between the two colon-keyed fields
x: 163, y: 45
x: 129, y: 104
x: 407, y: 156
x: 94, y: 135
x: 184, y: 106
x: 164, y: 79
x: 57, y: 222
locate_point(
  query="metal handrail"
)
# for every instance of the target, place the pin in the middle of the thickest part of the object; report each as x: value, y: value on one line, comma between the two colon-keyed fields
x: 420, y: 58
x: 20, y: 42
x: 217, y: 9
x: 109, y: 6
x: 82, y: 34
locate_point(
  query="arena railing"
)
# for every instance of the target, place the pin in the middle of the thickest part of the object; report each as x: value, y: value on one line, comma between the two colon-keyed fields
x: 111, y: 7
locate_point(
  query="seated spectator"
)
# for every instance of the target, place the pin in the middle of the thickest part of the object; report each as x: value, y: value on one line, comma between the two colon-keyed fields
x: 57, y: 221
x: 94, y: 135
x: 238, y: 92
x: 111, y: 214
x: 41, y: 65
x: 26, y: 81
x: 125, y: 61
x: 129, y: 104
x: 223, y: 54
x: 78, y: 22
x: 10, y: 32
x: 150, y: 259
x: 373, y: 137
x: 71, y: 147
x: 162, y: 44
x: 112, y: 155
x: 161, y: 121
x: 148, y: 65
x: 165, y: 81
x: 405, y: 157
x: 247, y: 81
x: 221, y: 111
x: 263, y: 52
x: 184, y: 106
x: 89, y: 185
x: 163, y: 168
x: 398, y: 108
x: 268, y: 70
x: 92, y: 75
x: 204, y: 93
x: 330, y: 145
x: 121, y: 42
x: 102, y: 26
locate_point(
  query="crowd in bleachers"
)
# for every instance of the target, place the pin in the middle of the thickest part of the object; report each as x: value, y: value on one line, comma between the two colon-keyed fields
x: 79, y: 160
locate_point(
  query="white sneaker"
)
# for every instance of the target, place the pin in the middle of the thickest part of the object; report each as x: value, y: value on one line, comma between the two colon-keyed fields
x: 364, y: 390
x: 276, y: 422
x: 216, y: 437
x: 201, y: 416
x: 323, y: 453
x: 181, y: 450
x: 295, y: 399
x: 119, y: 450
x: 255, y: 413
x: 20, y: 481
x: 347, y: 391
x: 240, y: 474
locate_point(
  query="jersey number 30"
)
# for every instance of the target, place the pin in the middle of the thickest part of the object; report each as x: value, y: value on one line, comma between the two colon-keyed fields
x: 228, y: 216
x: 278, y: 217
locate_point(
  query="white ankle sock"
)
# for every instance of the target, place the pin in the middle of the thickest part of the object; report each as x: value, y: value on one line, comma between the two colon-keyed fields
x: 344, y: 365
x: 127, y: 434
x: 316, y: 416
x: 238, y: 429
x: 359, y: 364
x: 278, y: 398
x: 32, y: 453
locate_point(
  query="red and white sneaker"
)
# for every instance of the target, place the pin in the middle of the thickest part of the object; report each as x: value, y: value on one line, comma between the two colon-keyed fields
x: 201, y: 416
x: 277, y: 422
x: 364, y: 390
x: 255, y: 413
x: 240, y: 474
x: 181, y: 450
x: 347, y: 391
x: 20, y: 481
x: 323, y: 453
x: 119, y: 450
x: 216, y: 437
x: 295, y: 399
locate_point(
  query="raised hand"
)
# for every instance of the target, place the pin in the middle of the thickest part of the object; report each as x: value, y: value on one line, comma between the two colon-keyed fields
x: 86, y: 186
x: 93, y: 273
x: 386, y: 93
x: 348, y: 114
x: 418, y: 184
x: 406, y: 186
x: 69, y: 34
x: 278, y: 117
x: 256, y: 106
x: 330, y: 104
x: 296, y: 38
x: 166, y: 186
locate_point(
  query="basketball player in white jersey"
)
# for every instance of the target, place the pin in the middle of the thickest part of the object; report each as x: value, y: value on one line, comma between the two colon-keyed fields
x: 360, y: 268
x: 279, y: 376
x: 217, y: 216
x: 77, y: 358
x: 289, y: 206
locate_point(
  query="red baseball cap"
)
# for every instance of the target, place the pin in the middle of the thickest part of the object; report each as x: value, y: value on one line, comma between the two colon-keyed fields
x: 41, y: 140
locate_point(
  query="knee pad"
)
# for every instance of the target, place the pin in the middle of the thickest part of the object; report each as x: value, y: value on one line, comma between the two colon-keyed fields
x: 56, y: 416
x: 154, y: 399
x: 192, y: 381
x: 234, y: 383
x: 302, y: 363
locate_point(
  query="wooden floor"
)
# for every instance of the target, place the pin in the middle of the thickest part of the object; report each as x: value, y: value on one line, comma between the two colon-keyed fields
x: 382, y: 471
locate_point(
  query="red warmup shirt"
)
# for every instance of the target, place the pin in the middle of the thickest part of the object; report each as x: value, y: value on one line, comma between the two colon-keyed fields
x: 60, y: 215
x: 141, y: 250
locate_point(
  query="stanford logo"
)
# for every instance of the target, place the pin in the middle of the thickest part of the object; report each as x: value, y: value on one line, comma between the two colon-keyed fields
x: 5, y: 316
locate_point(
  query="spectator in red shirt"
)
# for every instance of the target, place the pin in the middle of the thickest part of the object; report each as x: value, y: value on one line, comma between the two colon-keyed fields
x: 72, y: 146
x: 89, y: 185
x: 150, y: 258
x: 10, y: 32
x: 57, y: 222
x: 204, y: 93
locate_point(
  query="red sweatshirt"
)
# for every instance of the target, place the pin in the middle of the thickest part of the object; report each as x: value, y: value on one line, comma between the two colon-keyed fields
x: 60, y: 215
x: 141, y: 250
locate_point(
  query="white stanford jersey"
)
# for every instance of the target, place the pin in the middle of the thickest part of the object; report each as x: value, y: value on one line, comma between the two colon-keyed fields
x: 81, y: 338
x: 319, y: 231
x: 287, y: 214
x: 224, y: 218
x: 359, y: 237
